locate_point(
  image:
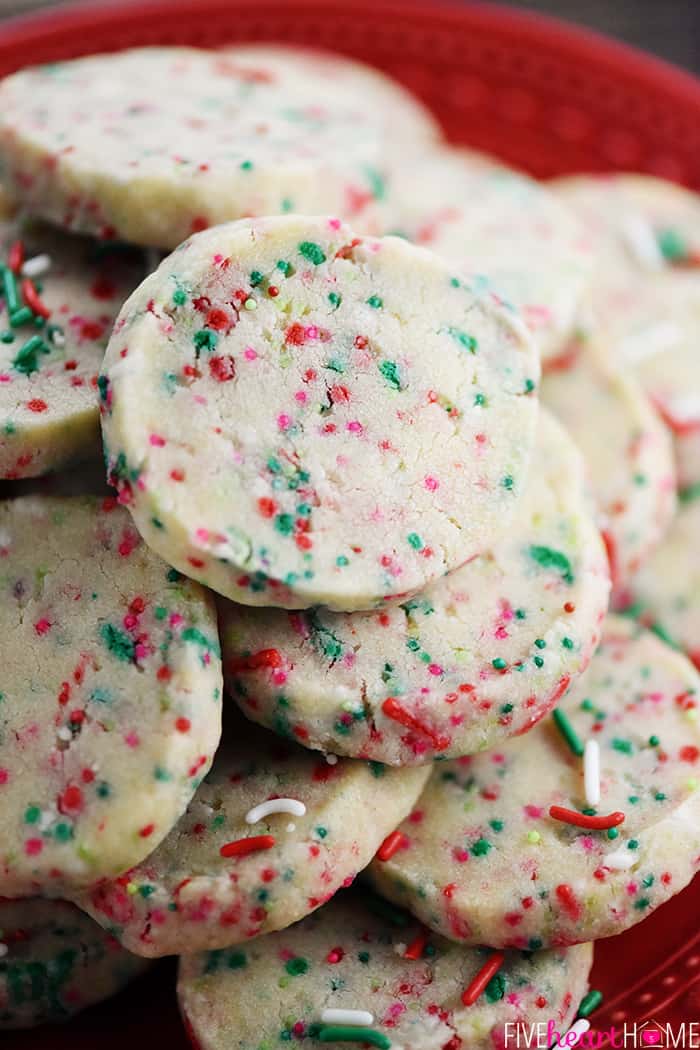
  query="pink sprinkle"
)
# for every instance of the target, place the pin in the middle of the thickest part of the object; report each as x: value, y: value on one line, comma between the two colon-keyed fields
x: 460, y: 855
x: 4, y: 776
x: 334, y: 224
x: 42, y: 626
x: 435, y: 669
x: 279, y: 677
x: 176, y: 620
x: 157, y: 440
x: 354, y: 426
x: 202, y: 535
x: 284, y: 421
x: 301, y: 397
x: 501, y: 632
x: 431, y: 483
x: 33, y: 846
x: 250, y: 354
x: 631, y: 888
x: 132, y: 739
x: 4, y: 378
x: 533, y: 811
x: 140, y: 651
x: 311, y: 331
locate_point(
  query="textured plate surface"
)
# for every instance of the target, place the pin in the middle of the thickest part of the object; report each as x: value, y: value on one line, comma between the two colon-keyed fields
x: 545, y: 97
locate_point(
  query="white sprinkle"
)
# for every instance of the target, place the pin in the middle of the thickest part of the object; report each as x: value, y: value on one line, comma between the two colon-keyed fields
x: 620, y: 861
x: 578, y: 1028
x: 332, y: 760
x: 275, y: 805
x: 591, y: 772
x: 291, y: 827
x: 359, y: 1017
x: 3, y: 950
x: 640, y: 239
x: 57, y: 338
x: 36, y: 266
x: 64, y: 733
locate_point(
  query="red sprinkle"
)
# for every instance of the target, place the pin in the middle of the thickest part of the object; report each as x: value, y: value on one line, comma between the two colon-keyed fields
x: 31, y: 298
x: 475, y: 988
x: 583, y: 820
x: 391, y: 845
x: 242, y: 847
x: 16, y: 256
x: 393, y: 709
x: 417, y: 946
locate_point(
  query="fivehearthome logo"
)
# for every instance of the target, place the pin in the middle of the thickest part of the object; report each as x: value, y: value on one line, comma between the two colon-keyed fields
x: 645, y: 1035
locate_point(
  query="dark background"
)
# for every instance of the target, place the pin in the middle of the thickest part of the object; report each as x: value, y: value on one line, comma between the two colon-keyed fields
x: 670, y: 28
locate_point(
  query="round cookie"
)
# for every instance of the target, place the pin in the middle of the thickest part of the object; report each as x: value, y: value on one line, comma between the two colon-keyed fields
x: 489, y: 220
x: 665, y: 593
x: 110, y: 707
x: 484, y: 860
x: 627, y: 451
x: 55, y: 961
x: 636, y: 223
x: 152, y: 144
x: 481, y: 654
x: 296, y: 415
x: 51, y: 350
x: 347, y: 957
x: 187, y: 896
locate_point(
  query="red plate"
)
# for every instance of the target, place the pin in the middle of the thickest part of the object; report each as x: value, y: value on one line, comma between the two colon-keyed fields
x: 541, y: 95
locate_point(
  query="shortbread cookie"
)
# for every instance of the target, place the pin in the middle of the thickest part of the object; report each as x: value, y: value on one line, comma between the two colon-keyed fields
x: 488, y: 220
x: 152, y: 144
x: 60, y: 297
x: 478, y: 656
x: 518, y: 848
x: 55, y: 961
x: 627, y: 451
x: 414, y: 992
x: 295, y: 415
x: 110, y: 702
x: 271, y: 834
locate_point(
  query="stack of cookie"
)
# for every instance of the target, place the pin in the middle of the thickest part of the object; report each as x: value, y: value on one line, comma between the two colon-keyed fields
x: 335, y: 507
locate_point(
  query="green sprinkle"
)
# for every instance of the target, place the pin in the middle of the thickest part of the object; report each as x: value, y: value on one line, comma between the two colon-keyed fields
x: 63, y: 832
x: 496, y: 988
x: 297, y: 966
x: 375, y: 302
x: 363, y: 957
x: 286, y: 268
x: 590, y: 1002
x: 538, y: 661
x: 568, y: 732
x: 499, y: 663
x: 31, y: 814
x: 205, y: 339
x: 255, y: 278
x: 415, y: 541
x: 529, y: 386
x: 9, y: 285
x: 340, y: 1033
x: 284, y: 524
x: 623, y: 746
x: 642, y: 903
x: 236, y: 960
x: 466, y: 341
x: 179, y: 297
x: 659, y: 796
x: 548, y: 558
x: 507, y: 482
x: 172, y: 576
x: 540, y: 643
x: 689, y: 493
x: 653, y: 741
x: 22, y: 316
x: 25, y: 360
x: 7, y: 337
x: 671, y: 245
x: 247, y: 165
x: 613, y: 833
x: 480, y: 400
x: 341, y: 561
x: 481, y: 847
x: 313, y: 252
x: 334, y: 299
x: 117, y: 642
x: 632, y: 844
x: 390, y: 371
x: 567, y: 643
